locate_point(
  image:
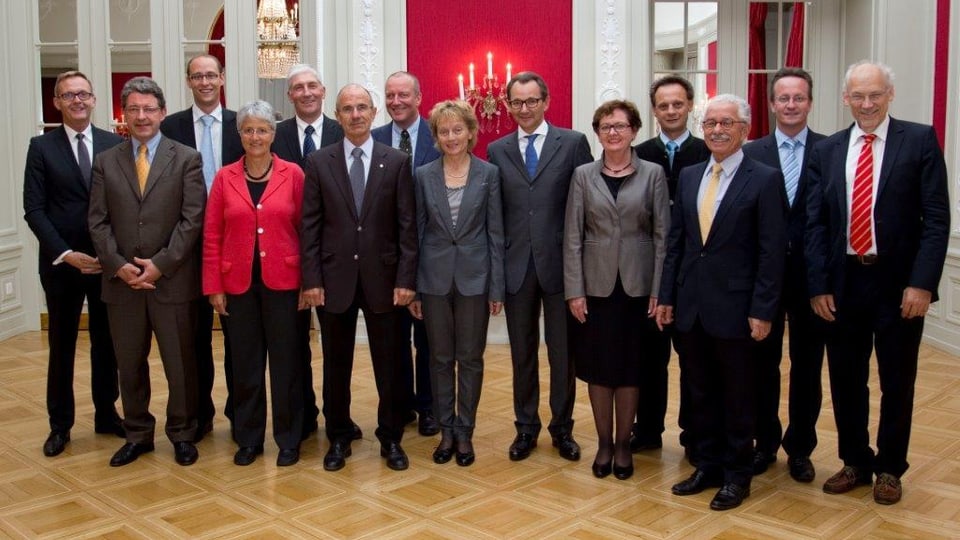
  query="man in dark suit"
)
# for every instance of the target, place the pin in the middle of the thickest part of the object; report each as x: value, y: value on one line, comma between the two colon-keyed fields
x: 721, y: 282
x: 146, y: 214
x: 359, y: 252
x: 218, y: 144
x: 673, y: 149
x: 295, y: 138
x: 56, y: 194
x: 536, y: 164
x: 791, y: 97
x: 411, y: 133
x: 876, y: 241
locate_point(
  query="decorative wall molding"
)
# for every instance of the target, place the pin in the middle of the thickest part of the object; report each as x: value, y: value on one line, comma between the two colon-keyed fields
x: 610, y: 47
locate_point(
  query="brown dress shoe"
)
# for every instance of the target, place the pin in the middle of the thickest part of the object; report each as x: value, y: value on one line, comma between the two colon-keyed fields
x: 847, y: 479
x: 887, y: 490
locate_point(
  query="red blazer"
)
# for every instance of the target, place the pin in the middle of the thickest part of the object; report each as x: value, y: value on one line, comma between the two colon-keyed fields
x: 232, y: 223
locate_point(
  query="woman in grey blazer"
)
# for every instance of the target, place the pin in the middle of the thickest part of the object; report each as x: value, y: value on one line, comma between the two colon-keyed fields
x: 460, y: 273
x: 616, y: 225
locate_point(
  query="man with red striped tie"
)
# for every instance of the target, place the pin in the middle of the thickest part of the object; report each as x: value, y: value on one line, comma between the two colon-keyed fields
x: 876, y: 240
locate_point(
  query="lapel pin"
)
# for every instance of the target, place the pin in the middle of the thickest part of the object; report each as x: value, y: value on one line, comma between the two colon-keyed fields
x: 381, y: 165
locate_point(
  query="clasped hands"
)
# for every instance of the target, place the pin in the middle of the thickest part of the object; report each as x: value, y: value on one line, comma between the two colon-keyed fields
x: 141, y: 274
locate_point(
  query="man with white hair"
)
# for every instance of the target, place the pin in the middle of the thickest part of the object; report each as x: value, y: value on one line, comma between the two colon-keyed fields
x: 876, y: 241
x: 721, y: 284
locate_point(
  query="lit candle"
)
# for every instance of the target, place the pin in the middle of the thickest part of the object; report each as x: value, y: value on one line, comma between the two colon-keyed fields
x: 489, y: 65
x: 460, y: 81
x: 509, y: 67
x: 472, y: 86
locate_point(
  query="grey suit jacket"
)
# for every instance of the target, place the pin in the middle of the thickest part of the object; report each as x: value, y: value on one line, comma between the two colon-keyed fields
x: 533, y: 208
x: 163, y: 225
x: 470, y: 255
x: 604, y: 237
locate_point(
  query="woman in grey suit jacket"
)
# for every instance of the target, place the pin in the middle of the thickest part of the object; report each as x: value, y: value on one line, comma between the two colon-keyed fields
x: 616, y: 224
x: 460, y: 273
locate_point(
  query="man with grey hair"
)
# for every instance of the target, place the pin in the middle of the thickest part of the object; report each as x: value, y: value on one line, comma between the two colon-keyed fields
x: 721, y: 283
x: 876, y: 241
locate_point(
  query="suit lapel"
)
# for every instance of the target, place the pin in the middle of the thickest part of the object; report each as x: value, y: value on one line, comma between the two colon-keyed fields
x: 690, y: 199
x: 737, y: 183
x: 341, y: 177
x: 551, y: 146
x: 163, y: 159
x: 126, y: 165
x: 277, y: 180
x: 66, y: 151
x: 438, y: 191
x: 473, y: 189
x: 237, y: 183
x: 186, y: 128
x: 424, y: 143
x: 840, y: 178
x: 288, y: 137
x: 513, y: 154
x: 375, y: 177
x: 891, y: 147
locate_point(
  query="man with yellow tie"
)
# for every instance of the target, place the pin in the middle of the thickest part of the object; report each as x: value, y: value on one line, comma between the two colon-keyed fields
x: 721, y: 285
x: 146, y: 212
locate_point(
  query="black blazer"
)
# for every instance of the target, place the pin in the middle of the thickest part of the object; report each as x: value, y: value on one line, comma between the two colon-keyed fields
x: 424, y: 153
x: 692, y: 151
x: 286, y: 144
x: 738, y: 273
x: 179, y: 127
x: 56, y: 198
x: 911, y: 212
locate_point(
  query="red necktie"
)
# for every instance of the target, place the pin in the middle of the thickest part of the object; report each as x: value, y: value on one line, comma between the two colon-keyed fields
x: 861, y: 219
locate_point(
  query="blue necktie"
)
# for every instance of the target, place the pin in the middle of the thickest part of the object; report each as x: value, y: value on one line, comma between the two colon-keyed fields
x: 671, y: 151
x: 206, y: 152
x: 308, y: 145
x: 791, y: 168
x: 531, y: 156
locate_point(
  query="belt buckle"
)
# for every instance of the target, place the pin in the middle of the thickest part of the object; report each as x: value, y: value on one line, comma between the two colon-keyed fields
x: 867, y: 260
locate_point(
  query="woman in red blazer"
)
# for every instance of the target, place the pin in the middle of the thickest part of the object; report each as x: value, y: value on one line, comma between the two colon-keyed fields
x: 251, y: 273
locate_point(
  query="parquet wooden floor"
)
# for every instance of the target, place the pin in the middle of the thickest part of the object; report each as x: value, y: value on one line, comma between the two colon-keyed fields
x: 77, y: 495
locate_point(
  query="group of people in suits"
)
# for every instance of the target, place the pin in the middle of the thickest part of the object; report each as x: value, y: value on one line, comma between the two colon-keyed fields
x: 711, y: 244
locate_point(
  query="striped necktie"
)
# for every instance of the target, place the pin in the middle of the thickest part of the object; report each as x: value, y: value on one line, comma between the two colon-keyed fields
x: 861, y: 209
x: 791, y: 168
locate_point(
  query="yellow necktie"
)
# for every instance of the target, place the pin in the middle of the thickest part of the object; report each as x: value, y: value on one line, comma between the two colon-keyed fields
x: 143, y: 167
x: 708, y: 202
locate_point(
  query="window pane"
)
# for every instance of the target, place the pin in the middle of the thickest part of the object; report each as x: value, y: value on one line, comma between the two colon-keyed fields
x: 200, y: 19
x: 129, y: 20
x: 58, y: 24
x: 53, y: 62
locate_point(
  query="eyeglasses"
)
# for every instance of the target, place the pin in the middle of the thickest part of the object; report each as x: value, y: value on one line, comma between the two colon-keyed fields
x: 785, y: 100
x: 531, y: 103
x: 726, y: 123
x: 250, y: 132
x: 135, y: 111
x: 209, y: 76
x: 69, y: 96
x: 613, y: 128
x: 860, y: 98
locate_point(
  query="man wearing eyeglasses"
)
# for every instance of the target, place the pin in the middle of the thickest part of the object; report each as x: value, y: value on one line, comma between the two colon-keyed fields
x: 720, y: 286
x: 146, y: 213
x: 211, y: 130
x: 876, y: 242
x: 536, y: 164
x: 56, y: 195
x: 786, y: 149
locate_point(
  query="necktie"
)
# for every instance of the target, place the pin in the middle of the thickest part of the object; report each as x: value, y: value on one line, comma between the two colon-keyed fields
x: 861, y: 226
x: 405, y: 142
x: 206, y: 152
x: 308, y: 145
x: 531, y: 156
x: 83, y: 159
x: 356, y: 177
x: 708, y: 202
x: 671, y: 151
x: 143, y: 167
x: 791, y: 169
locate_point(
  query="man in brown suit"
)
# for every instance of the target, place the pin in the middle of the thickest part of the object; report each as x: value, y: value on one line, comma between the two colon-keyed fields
x: 146, y: 212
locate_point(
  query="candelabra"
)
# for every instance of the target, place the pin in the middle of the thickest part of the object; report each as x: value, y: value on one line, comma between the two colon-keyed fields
x: 278, y: 48
x: 488, y: 99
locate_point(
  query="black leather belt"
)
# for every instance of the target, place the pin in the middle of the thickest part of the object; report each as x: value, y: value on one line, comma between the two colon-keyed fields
x: 865, y: 260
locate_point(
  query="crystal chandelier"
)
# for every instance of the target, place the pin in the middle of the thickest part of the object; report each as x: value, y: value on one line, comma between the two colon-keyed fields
x: 278, y: 46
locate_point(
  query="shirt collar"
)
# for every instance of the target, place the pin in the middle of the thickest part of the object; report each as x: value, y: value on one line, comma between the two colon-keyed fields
x: 729, y: 165
x: 541, y: 130
x: 880, y: 132
x: 367, y: 146
x: 412, y: 130
x: 216, y: 114
x: 152, y: 145
x: 679, y: 140
x: 800, y: 137
x: 317, y: 125
x: 72, y: 133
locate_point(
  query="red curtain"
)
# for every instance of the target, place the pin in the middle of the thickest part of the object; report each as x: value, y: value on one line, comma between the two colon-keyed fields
x: 757, y: 82
x: 795, y: 41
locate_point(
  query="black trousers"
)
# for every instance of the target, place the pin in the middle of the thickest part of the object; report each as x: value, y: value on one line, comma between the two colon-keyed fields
x: 310, y: 410
x: 415, y: 368
x: 652, y: 407
x: 206, y: 409
x: 64, y: 305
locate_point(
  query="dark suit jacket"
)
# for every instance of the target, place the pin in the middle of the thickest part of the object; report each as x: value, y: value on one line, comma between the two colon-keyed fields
x: 378, y: 247
x: 424, y: 153
x: 179, y: 127
x: 164, y: 224
x: 738, y: 272
x: 911, y: 212
x: 692, y: 151
x: 470, y: 255
x: 533, y: 208
x: 56, y: 199
x: 286, y: 143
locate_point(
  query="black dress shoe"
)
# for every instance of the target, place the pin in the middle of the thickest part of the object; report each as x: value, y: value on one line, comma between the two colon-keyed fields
x: 129, y: 452
x: 729, y: 496
x: 288, y: 456
x: 247, y: 455
x: 697, y: 482
x: 465, y: 455
x: 640, y: 444
x: 602, y: 470
x: 523, y: 443
x: 337, y: 455
x: 203, y: 427
x: 801, y: 469
x: 110, y: 426
x: 55, y: 443
x: 622, y: 473
x: 427, y: 424
x: 444, y: 451
x: 396, y: 457
x: 569, y: 449
x: 762, y: 460
x: 357, y: 433
x: 185, y: 453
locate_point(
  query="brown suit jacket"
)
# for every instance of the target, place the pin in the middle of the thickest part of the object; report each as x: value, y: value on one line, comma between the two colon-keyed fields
x: 378, y: 247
